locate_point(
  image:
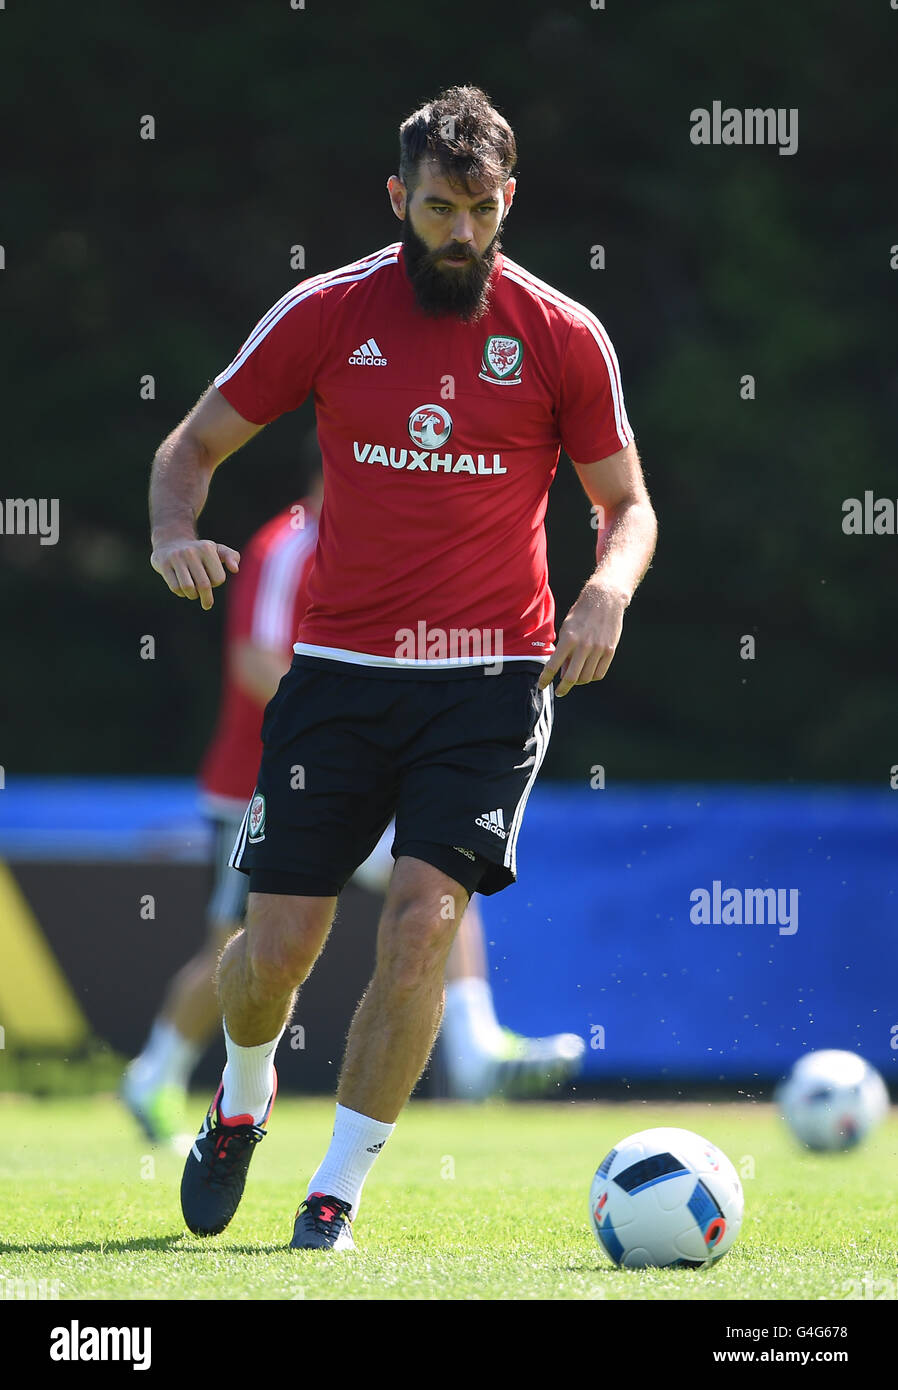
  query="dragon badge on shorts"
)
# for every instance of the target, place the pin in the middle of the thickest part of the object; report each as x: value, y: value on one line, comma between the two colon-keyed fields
x: 257, y: 819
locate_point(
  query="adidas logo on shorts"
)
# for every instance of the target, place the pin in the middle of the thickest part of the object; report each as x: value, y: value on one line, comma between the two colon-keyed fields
x: 368, y: 355
x: 494, y: 821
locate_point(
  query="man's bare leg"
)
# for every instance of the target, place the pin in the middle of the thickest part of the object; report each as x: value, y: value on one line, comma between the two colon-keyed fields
x: 258, y: 976
x: 260, y: 971
x: 399, y: 1015
x: 264, y: 964
x: 480, y: 1056
x: 392, y: 1032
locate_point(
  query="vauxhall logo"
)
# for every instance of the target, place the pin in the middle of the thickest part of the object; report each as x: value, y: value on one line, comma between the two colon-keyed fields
x: 429, y: 426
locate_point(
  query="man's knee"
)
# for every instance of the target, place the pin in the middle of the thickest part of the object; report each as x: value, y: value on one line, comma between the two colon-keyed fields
x: 415, y: 938
x: 283, y: 938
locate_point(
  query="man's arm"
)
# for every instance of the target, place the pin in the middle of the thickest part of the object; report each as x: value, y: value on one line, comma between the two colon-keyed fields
x: 179, y: 486
x: 627, y: 528
x: 626, y: 542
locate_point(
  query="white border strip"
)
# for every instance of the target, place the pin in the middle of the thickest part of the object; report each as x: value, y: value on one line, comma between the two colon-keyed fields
x: 542, y: 732
x: 408, y: 663
x: 240, y: 842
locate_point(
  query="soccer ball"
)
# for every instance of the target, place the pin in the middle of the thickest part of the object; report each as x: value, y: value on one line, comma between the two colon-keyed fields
x: 665, y: 1197
x: 831, y: 1100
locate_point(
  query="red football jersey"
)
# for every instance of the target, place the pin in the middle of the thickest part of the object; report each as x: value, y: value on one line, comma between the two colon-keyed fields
x: 265, y: 602
x: 439, y: 441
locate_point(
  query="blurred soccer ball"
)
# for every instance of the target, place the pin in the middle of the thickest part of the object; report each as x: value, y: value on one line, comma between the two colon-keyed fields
x: 832, y: 1100
x: 665, y: 1197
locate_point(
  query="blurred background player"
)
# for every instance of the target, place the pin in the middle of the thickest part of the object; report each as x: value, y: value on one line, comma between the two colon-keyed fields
x: 265, y: 602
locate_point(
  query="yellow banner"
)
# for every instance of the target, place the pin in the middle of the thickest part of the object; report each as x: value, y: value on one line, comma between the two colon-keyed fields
x: 37, y: 1006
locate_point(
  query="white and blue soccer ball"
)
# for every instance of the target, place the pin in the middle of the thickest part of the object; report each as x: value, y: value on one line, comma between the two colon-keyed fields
x: 832, y: 1100
x: 665, y: 1198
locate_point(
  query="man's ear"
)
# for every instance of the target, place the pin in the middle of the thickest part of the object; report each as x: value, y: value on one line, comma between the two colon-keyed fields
x: 508, y: 194
x: 398, y: 195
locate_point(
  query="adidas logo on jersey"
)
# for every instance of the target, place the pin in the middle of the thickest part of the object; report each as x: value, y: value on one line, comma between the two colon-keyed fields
x: 494, y: 821
x: 368, y: 355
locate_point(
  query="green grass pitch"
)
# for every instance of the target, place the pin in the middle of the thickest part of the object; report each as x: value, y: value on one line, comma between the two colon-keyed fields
x: 466, y: 1202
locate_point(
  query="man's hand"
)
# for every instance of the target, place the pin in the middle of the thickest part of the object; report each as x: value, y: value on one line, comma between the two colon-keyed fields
x: 193, y: 568
x: 179, y: 485
x: 588, y: 638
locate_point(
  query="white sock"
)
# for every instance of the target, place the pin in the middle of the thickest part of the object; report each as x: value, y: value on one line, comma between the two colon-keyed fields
x: 167, y: 1059
x: 356, y: 1142
x: 472, y: 1036
x: 248, y: 1077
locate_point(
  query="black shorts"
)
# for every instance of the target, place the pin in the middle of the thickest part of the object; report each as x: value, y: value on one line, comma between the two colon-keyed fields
x: 452, y: 753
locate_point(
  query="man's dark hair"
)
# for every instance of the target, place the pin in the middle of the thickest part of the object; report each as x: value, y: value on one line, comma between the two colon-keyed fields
x: 463, y: 135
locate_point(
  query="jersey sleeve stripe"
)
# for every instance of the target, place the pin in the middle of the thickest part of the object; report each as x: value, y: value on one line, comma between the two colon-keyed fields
x: 595, y: 326
x: 388, y: 256
x: 603, y: 342
x: 281, y: 570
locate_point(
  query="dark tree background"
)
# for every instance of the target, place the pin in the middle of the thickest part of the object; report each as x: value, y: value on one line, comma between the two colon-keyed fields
x: 277, y: 126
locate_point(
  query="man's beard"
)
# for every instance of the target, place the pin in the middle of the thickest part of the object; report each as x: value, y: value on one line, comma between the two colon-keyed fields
x: 462, y: 291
